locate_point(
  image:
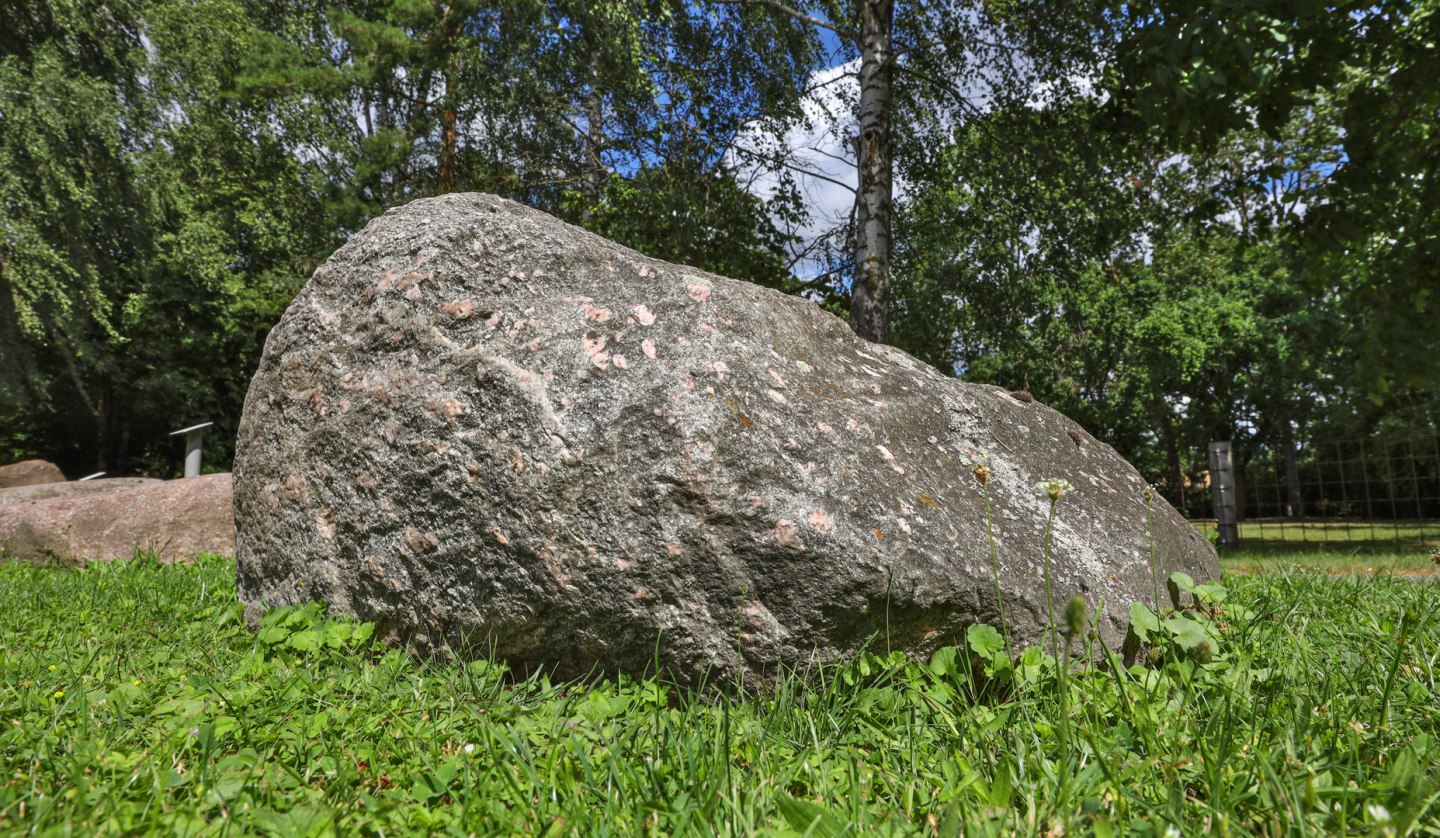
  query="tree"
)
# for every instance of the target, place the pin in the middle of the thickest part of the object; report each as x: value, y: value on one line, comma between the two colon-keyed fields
x: 1153, y: 297
x: 1201, y: 72
x: 598, y: 112
x: 151, y: 233
x: 68, y: 242
x: 166, y: 192
x: 925, y: 66
x: 1010, y: 209
x: 659, y: 111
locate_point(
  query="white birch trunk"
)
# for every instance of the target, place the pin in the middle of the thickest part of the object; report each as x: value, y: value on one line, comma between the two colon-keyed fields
x: 870, y: 293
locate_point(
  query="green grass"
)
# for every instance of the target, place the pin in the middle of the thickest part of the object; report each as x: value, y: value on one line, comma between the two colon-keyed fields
x: 1417, y: 535
x: 1344, y: 537
x: 134, y: 700
x: 1408, y: 563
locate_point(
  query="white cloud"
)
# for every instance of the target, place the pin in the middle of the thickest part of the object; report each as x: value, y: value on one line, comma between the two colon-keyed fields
x: 816, y: 151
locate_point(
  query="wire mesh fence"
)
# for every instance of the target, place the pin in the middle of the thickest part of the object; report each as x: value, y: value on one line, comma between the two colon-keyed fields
x: 1351, y: 494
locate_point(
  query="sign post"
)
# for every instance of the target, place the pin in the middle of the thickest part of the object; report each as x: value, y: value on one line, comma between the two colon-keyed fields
x: 192, y: 447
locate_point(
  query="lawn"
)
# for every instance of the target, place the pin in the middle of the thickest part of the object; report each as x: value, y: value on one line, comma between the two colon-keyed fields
x: 1289, y: 535
x: 1408, y: 563
x: 133, y: 699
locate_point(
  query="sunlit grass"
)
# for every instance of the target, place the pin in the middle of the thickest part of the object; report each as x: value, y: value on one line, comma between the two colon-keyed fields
x: 1342, y: 538
x: 1409, y: 563
x: 134, y: 700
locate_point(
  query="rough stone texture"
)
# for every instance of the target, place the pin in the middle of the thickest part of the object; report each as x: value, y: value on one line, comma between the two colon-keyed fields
x: 74, y: 489
x: 30, y: 473
x: 479, y: 426
x: 99, y: 520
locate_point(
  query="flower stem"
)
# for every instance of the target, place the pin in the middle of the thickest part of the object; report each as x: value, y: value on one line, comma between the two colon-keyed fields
x: 1049, y: 597
x: 1150, y: 534
x: 995, y: 568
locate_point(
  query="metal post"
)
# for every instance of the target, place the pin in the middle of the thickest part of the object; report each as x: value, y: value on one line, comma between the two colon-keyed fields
x: 192, y: 447
x: 1222, y: 486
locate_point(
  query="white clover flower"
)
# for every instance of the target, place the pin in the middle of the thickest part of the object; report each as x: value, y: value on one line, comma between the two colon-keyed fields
x: 1054, y: 487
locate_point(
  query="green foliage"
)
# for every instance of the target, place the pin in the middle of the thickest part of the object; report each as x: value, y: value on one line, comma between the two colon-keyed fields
x: 1201, y: 73
x: 306, y: 629
x: 984, y: 641
x: 616, y: 114
x: 171, y: 171
x: 152, y: 233
x: 1117, y: 288
x: 693, y: 215
x: 1193, y: 631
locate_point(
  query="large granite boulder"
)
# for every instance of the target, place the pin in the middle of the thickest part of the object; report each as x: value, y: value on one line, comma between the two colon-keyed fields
x: 115, y: 519
x: 30, y: 473
x: 485, y: 429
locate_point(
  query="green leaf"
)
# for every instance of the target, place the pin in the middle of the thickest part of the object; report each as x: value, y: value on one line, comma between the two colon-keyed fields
x: 272, y: 635
x: 1032, y: 665
x: 422, y: 791
x: 984, y: 640
x: 1143, y: 621
x: 304, y: 641
x: 1408, y: 790
x: 1187, y: 632
x: 1002, y: 789
x: 1211, y: 592
x: 334, y: 633
x: 942, y: 663
x: 809, y: 818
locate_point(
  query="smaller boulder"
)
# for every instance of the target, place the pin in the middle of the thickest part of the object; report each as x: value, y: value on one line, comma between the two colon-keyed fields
x: 72, y: 489
x: 174, y: 519
x: 30, y: 473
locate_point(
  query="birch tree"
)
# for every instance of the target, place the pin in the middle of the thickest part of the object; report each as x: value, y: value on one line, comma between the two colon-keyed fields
x: 919, y: 70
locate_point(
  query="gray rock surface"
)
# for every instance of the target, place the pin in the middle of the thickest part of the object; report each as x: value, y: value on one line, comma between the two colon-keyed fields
x: 482, y: 427
x: 114, y: 519
x: 30, y: 473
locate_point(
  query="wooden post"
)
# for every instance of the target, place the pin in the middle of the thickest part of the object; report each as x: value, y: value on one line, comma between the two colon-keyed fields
x: 1222, y: 487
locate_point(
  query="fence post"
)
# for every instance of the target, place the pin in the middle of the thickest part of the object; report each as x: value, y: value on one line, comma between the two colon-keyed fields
x: 1295, y: 506
x: 1222, y: 487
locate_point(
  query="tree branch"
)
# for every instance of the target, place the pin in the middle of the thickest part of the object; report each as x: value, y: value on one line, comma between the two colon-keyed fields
x: 796, y: 14
x: 798, y: 169
x: 942, y: 86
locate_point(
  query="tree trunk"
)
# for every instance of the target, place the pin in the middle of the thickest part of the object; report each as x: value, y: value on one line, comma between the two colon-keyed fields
x: 449, y: 138
x: 594, y: 171
x: 1172, y: 458
x: 870, y: 292
x: 102, y: 431
x: 448, y: 141
x: 122, y: 448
